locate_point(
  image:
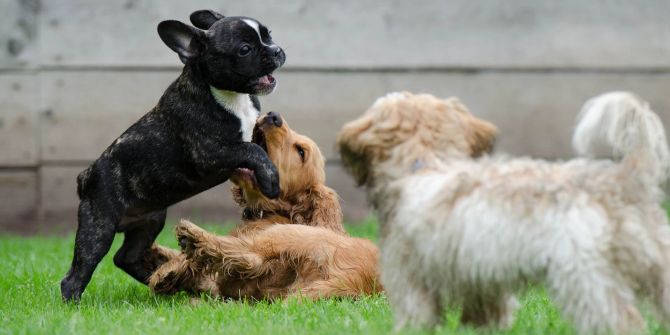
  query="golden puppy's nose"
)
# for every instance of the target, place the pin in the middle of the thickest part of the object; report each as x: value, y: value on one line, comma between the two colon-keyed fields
x: 273, y: 118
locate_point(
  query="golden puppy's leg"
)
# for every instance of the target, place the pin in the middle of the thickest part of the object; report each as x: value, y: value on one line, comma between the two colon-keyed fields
x: 218, y: 253
x: 158, y: 255
x: 173, y: 276
x: 297, y: 242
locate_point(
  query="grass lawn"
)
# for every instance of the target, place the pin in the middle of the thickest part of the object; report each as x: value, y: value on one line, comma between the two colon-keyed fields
x: 30, y: 303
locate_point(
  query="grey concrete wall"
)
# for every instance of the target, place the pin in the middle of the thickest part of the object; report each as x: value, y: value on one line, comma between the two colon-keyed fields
x: 74, y: 74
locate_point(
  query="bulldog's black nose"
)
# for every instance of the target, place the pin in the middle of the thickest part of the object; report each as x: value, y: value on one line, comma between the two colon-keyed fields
x: 278, y: 56
x: 276, y: 50
x: 273, y: 118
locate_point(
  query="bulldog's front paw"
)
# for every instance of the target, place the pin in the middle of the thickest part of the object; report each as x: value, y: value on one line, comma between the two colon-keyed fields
x: 268, y: 181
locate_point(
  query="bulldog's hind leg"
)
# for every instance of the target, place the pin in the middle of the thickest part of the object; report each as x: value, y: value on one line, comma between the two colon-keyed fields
x: 95, y: 233
x: 140, y: 235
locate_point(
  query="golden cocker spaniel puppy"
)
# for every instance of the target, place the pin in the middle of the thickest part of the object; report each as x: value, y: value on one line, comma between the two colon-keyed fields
x: 291, y: 246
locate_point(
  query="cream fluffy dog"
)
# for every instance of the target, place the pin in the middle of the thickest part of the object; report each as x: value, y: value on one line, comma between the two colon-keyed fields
x: 468, y: 231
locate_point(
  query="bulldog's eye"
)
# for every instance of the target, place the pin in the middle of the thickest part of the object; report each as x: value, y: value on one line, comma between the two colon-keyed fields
x: 301, y: 152
x: 244, y: 50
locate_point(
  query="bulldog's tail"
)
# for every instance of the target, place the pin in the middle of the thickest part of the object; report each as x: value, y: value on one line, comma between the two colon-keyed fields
x: 621, y: 126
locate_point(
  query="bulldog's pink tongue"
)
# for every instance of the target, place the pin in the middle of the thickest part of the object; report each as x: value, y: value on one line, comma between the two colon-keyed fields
x: 266, y: 80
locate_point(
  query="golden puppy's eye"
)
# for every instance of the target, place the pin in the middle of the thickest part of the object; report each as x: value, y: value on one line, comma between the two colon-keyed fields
x: 301, y: 152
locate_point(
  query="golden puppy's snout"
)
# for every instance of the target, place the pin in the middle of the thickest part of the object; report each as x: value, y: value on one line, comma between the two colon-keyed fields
x: 271, y: 119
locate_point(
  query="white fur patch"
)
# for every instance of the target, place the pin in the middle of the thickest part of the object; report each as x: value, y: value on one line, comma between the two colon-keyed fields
x: 253, y: 24
x: 390, y: 97
x: 618, y: 125
x: 239, y: 104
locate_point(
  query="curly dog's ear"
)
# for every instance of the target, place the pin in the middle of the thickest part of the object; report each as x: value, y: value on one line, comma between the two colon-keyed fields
x: 482, y: 137
x: 320, y: 208
x: 354, y: 147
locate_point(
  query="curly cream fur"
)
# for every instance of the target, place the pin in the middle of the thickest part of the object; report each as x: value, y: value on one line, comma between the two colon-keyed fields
x: 457, y: 229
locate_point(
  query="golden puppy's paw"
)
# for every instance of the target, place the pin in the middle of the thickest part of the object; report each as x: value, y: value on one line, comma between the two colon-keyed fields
x: 188, y: 235
x: 163, y: 282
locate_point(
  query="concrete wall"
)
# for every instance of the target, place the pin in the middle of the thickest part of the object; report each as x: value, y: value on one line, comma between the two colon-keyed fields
x: 75, y: 74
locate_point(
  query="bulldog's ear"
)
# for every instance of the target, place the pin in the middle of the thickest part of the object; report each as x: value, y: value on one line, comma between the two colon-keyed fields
x: 188, y: 42
x: 205, y: 18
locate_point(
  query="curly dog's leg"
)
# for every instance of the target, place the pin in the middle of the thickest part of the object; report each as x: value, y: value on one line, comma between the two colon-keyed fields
x: 591, y: 295
x: 495, y: 309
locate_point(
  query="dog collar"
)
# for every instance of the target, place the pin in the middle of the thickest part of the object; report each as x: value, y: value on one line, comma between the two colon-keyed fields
x: 252, y: 214
x: 418, y: 165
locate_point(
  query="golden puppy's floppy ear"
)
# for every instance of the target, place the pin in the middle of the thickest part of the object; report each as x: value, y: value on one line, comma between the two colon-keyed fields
x: 320, y: 207
x: 238, y: 195
x: 482, y: 136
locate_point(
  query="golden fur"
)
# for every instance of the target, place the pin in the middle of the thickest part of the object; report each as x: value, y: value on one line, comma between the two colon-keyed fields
x: 457, y: 228
x: 294, y: 245
x: 304, y: 197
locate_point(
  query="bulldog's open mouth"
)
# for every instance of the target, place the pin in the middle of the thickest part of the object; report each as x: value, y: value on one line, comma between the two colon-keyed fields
x: 265, y: 84
x: 267, y: 79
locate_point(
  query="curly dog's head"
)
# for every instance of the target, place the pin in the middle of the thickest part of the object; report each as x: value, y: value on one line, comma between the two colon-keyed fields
x: 407, y: 130
x: 302, y: 176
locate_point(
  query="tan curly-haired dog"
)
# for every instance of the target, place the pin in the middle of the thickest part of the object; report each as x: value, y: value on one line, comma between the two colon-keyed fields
x: 295, y: 245
x: 458, y: 229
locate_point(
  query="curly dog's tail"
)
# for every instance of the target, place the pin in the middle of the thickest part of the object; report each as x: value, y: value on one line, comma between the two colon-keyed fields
x: 621, y: 126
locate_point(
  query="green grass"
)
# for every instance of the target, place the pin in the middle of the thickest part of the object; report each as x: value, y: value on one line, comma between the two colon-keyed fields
x: 30, y: 303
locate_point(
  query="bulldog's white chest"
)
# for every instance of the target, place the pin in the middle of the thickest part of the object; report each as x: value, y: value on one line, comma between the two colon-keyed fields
x: 241, y: 106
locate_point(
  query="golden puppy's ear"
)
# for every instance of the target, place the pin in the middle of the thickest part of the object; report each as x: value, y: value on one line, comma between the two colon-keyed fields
x: 319, y: 208
x: 238, y: 196
x: 482, y: 137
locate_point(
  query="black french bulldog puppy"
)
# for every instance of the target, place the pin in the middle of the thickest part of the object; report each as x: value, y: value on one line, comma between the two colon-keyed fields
x: 195, y: 137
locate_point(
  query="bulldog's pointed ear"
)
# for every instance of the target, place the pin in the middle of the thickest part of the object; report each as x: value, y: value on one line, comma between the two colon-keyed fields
x: 188, y: 42
x: 205, y: 18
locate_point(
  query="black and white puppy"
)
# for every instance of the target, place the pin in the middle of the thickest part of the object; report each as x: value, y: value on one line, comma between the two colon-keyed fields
x: 195, y: 137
